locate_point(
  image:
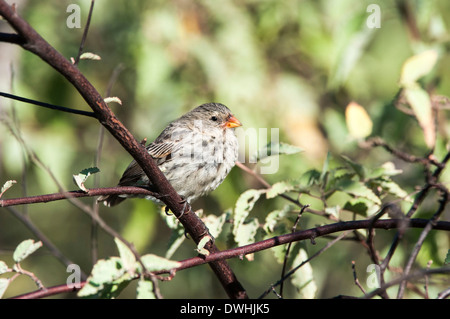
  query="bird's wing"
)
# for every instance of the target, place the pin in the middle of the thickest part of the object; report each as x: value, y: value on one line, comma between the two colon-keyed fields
x: 161, y: 152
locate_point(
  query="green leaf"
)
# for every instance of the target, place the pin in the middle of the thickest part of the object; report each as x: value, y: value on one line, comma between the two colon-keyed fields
x: 417, y: 66
x: 107, y: 280
x: 4, y: 282
x: 246, y: 234
x: 357, y: 189
x: 126, y: 255
x: 215, y: 223
x: 447, y: 258
x: 393, y: 188
x: 25, y: 248
x: 3, y: 267
x: 278, y: 218
x: 145, y: 289
x: 420, y: 102
x: 81, y: 178
x: 157, y: 263
x: 281, y: 188
x: 385, y: 170
x: 201, y: 246
x: 244, y: 205
x: 272, y: 149
x: 357, y: 168
x: 303, y: 278
x: 6, y: 186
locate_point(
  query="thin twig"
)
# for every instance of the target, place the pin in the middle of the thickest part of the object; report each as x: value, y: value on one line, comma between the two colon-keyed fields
x: 355, y: 278
x: 85, y: 32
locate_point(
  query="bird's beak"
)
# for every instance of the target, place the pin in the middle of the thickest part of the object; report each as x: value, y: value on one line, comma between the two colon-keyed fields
x: 232, y: 122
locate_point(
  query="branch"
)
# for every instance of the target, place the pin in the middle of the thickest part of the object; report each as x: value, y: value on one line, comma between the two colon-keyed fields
x: 34, y: 43
x: 272, y: 242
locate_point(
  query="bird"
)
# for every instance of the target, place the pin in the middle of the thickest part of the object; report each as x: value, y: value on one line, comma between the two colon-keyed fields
x: 195, y: 153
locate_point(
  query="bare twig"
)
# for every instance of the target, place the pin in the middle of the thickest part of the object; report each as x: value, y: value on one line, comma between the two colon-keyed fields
x: 355, y: 278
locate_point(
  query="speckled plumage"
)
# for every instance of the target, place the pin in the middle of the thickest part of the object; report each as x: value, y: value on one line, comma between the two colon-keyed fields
x: 195, y: 152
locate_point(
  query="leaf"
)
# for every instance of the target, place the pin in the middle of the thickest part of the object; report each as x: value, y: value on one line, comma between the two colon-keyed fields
x: 107, y: 280
x: 280, y: 188
x: 81, y: 178
x: 145, y: 289
x: 393, y: 188
x: 357, y: 168
x: 157, y: 263
x: 278, y: 218
x: 126, y: 255
x: 420, y: 102
x: 3, y: 267
x: 90, y: 56
x: 272, y: 149
x: 244, y: 205
x: 357, y: 189
x: 7, y: 186
x: 385, y: 170
x: 417, y: 66
x: 303, y: 278
x: 215, y: 223
x: 4, y: 282
x: 201, y: 245
x: 246, y: 234
x: 114, y: 99
x: 447, y: 258
x: 358, y: 121
x: 24, y: 249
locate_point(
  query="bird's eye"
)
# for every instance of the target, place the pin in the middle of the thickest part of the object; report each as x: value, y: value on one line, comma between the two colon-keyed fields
x: 214, y: 118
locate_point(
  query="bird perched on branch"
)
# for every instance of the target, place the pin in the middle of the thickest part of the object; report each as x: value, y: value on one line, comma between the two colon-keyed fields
x: 195, y: 152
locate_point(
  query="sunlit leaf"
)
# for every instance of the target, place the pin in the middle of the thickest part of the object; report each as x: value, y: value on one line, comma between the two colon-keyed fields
x: 90, y: 56
x: 272, y: 149
x: 4, y: 282
x: 156, y: 263
x: 114, y: 99
x: 358, y: 121
x: 420, y: 102
x: 127, y: 256
x: 303, y: 278
x: 25, y: 248
x: 6, y: 186
x: 80, y: 179
x: 417, y: 66
x: 145, y: 289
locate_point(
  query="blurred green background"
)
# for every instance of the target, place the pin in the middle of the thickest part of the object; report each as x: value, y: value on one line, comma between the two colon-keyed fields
x: 292, y: 65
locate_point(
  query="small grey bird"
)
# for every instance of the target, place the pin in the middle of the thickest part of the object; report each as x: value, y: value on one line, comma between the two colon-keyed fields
x: 195, y: 152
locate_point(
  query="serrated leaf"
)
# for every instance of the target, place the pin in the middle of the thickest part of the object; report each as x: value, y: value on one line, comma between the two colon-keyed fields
x: 393, y: 188
x: 157, y: 263
x: 278, y: 218
x: 114, y: 99
x: 90, y: 56
x: 358, y: 121
x: 4, y: 282
x: 244, y: 205
x: 25, y: 248
x: 447, y: 258
x: 3, y: 267
x: 272, y: 149
x: 334, y: 211
x: 280, y: 188
x: 357, y: 189
x: 357, y: 168
x: 361, y: 206
x: 215, y: 223
x: 145, y: 290
x: 126, y: 255
x: 417, y: 66
x: 107, y: 280
x: 420, y: 102
x: 6, y: 186
x: 80, y: 178
x: 246, y: 234
x: 303, y: 278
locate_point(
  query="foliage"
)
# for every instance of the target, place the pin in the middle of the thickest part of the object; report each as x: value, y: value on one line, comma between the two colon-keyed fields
x: 361, y: 114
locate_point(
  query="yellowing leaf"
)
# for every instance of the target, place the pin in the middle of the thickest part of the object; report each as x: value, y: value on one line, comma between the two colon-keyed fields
x: 417, y: 66
x: 420, y: 102
x: 358, y: 121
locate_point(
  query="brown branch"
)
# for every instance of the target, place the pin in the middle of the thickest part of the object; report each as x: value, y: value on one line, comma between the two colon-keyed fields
x: 270, y: 243
x: 34, y: 43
